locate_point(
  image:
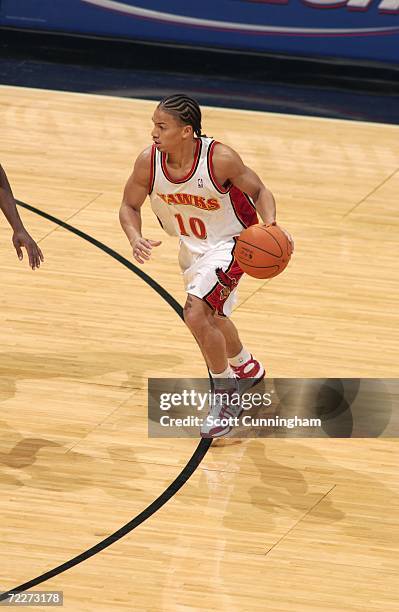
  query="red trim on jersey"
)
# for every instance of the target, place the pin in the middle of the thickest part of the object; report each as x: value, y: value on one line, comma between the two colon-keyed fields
x: 152, y: 171
x: 193, y: 167
x: 213, y: 178
x: 243, y: 207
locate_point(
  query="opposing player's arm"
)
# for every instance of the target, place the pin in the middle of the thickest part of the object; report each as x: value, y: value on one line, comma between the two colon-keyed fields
x: 20, y: 238
x: 134, y: 195
x: 7, y: 202
x: 229, y: 167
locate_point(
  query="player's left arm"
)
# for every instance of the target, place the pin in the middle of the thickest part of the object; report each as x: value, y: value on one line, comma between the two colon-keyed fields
x: 229, y: 167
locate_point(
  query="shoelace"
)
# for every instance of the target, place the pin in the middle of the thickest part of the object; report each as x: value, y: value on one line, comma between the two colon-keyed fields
x: 221, y: 410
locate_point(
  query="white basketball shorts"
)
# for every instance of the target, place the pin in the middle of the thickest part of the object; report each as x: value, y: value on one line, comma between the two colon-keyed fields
x: 212, y: 276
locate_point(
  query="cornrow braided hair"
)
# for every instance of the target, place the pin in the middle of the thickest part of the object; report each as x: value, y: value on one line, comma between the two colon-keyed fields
x: 185, y: 109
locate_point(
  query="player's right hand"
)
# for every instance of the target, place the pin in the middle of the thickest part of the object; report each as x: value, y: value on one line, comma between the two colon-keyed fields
x: 142, y: 248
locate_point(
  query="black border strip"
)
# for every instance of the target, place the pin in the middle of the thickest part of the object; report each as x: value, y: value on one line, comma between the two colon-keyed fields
x: 174, y: 487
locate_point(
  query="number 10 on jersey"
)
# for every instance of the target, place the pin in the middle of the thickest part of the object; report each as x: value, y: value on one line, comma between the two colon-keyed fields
x: 197, y: 227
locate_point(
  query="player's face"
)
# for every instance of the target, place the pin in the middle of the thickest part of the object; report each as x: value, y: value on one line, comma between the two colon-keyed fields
x: 168, y: 133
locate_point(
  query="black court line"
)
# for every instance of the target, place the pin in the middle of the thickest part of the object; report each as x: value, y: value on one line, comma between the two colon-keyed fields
x: 103, y: 247
x: 181, y: 479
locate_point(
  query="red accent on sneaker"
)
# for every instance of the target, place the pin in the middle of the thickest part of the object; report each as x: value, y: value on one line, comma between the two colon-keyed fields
x: 221, y: 414
x: 250, y: 369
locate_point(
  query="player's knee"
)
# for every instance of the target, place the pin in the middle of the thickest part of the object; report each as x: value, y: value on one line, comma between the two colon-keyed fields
x: 195, y: 318
x: 191, y: 317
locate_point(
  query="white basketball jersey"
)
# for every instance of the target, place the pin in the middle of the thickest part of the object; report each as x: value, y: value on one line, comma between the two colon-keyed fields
x: 202, y: 213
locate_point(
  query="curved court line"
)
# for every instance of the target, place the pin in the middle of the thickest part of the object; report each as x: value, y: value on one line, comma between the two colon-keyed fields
x: 174, y: 487
x: 103, y: 247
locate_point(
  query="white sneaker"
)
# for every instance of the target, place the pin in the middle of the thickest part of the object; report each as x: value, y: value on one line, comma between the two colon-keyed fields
x: 224, y: 410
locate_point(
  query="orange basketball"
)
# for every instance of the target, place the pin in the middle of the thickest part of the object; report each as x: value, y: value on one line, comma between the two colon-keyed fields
x: 262, y: 251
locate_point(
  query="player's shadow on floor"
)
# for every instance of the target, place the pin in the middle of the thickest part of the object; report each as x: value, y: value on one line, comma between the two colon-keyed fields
x: 88, y: 366
x: 284, y: 491
x: 38, y: 463
x: 283, y: 486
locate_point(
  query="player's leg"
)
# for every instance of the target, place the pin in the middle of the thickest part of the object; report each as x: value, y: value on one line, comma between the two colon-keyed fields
x: 201, y: 322
x: 199, y: 318
x: 240, y: 359
x: 230, y: 333
x: 210, y: 280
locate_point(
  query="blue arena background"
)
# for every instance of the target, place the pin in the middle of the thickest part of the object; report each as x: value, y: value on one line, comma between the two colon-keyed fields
x: 357, y: 29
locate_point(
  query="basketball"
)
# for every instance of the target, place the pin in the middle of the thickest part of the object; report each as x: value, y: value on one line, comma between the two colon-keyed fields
x: 262, y: 251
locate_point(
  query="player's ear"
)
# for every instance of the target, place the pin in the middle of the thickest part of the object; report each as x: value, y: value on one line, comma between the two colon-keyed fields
x: 188, y: 131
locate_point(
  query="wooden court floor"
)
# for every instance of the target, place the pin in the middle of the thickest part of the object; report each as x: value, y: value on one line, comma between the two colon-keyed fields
x: 280, y: 525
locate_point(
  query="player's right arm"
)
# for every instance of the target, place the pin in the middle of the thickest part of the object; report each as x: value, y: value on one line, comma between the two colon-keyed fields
x: 135, y: 193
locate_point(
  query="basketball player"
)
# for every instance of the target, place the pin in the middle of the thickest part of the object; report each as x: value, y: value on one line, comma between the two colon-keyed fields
x: 20, y: 238
x: 201, y: 192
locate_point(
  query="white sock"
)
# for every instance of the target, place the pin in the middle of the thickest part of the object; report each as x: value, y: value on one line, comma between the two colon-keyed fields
x: 243, y: 356
x: 224, y: 379
x: 227, y: 373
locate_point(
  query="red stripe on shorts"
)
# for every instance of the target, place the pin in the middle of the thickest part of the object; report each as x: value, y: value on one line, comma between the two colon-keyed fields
x: 227, y: 282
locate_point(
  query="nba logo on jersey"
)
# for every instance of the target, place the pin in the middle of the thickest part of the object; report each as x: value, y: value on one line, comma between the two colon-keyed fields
x: 200, y: 182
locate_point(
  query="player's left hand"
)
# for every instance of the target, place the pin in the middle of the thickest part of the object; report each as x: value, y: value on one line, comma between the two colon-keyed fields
x: 289, y: 238
x: 23, y: 239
